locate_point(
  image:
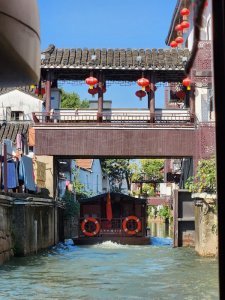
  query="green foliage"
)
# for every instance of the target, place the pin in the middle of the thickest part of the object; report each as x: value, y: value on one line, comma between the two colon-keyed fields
x: 165, y: 212
x: 72, y: 100
x: 72, y: 207
x: 152, y: 168
x: 205, y: 178
x: 148, y: 189
x: 151, y: 211
x: 117, y: 170
x: 79, y: 187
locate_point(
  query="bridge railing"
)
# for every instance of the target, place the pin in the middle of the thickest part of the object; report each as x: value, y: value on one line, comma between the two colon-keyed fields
x: 113, y: 117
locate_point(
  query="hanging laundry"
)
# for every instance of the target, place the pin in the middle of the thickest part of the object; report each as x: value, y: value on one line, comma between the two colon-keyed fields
x: 18, y: 141
x: 12, y: 178
x: 26, y: 173
x: 31, y: 136
x: 9, y: 146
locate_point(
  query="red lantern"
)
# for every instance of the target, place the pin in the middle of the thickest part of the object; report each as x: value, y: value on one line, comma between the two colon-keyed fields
x: 187, y: 82
x: 143, y: 82
x: 180, y: 94
x: 185, y: 24
x: 93, y: 91
x: 148, y: 88
x: 103, y: 89
x: 179, y: 40
x: 173, y: 44
x: 185, y: 12
x: 91, y: 81
x: 39, y: 92
x: 140, y: 94
x: 178, y: 28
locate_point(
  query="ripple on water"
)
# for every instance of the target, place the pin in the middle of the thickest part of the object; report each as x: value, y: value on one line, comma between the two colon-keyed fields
x: 111, y: 271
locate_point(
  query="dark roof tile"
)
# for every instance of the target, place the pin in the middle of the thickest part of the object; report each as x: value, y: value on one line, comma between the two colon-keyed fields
x: 150, y: 59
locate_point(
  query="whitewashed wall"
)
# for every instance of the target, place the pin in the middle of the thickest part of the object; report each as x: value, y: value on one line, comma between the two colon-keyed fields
x: 19, y: 101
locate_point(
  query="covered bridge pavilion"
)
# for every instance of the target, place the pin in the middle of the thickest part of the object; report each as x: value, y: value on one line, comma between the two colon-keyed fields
x: 112, y: 65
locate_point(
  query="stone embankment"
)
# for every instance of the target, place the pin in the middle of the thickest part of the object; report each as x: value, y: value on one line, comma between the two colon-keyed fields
x: 28, y: 225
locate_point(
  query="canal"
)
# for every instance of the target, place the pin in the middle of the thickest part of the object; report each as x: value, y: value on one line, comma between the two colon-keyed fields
x: 112, y: 271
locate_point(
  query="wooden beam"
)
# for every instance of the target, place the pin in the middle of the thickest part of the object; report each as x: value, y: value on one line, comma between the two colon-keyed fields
x: 100, y: 98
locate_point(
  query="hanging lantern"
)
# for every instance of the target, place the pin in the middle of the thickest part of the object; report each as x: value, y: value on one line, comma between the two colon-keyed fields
x: 185, y: 12
x: 185, y: 24
x: 180, y: 94
x: 179, y: 40
x: 93, y: 91
x: 173, y: 44
x: 187, y: 82
x: 140, y: 94
x: 178, y: 28
x: 143, y: 82
x: 103, y: 89
x: 91, y: 81
x: 150, y: 88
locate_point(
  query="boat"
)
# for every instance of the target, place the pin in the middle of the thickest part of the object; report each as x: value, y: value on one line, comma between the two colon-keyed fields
x: 114, y: 217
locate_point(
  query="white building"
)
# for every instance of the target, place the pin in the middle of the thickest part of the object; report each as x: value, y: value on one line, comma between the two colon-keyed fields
x: 18, y: 104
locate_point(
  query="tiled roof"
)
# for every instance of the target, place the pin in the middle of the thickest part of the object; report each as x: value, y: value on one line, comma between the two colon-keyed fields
x: 84, y: 163
x: 128, y: 59
x: 9, y: 130
x: 25, y: 89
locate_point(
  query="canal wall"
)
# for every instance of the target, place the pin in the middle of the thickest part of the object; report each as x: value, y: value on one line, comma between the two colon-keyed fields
x: 71, y: 227
x: 6, y: 248
x: 29, y: 225
x: 206, y: 238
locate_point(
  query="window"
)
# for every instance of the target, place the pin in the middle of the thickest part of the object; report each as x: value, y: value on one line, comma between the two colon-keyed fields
x: 16, y: 115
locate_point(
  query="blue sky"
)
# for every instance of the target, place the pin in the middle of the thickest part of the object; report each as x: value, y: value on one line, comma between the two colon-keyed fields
x: 107, y: 24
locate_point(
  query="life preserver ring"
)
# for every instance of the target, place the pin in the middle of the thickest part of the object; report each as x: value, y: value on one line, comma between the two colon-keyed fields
x: 95, y: 231
x: 134, y: 218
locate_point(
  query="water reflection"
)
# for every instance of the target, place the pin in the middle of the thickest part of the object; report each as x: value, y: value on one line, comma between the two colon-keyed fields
x: 162, y: 230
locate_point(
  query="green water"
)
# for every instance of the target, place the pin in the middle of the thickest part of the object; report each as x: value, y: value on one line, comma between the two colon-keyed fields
x: 111, y: 271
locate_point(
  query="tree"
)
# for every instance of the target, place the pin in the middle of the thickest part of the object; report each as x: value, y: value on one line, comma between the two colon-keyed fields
x: 152, y: 168
x: 205, y: 178
x: 72, y: 100
x: 117, y: 170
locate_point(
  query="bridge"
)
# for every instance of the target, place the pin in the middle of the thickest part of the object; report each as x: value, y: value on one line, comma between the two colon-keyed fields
x: 99, y: 132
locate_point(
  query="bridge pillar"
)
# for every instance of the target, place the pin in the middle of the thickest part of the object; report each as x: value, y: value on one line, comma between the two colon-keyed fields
x: 100, y: 98
x: 151, y: 100
x: 192, y: 104
x: 48, y: 95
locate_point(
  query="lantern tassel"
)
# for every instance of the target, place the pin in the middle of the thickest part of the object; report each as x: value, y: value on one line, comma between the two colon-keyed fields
x: 188, y: 88
x: 143, y: 88
x: 91, y: 87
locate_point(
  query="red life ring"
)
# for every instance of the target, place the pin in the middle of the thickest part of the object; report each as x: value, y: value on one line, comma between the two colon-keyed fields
x: 92, y: 220
x: 134, y: 218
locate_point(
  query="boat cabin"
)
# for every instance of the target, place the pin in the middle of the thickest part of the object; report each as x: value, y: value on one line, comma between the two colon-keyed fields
x: 112, y: 217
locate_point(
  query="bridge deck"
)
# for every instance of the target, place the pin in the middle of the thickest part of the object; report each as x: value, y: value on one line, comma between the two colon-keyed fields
x: 161, y: 118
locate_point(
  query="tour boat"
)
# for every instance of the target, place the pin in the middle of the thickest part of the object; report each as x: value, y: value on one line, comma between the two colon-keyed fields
x: 112, y: 217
